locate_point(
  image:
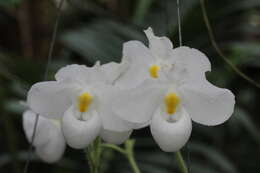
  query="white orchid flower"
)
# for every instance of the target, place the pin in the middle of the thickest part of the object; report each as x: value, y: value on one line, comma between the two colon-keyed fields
x: 148, y: 63
x: 48, y: 141
x: 168, y: 89
x: 82, y: 97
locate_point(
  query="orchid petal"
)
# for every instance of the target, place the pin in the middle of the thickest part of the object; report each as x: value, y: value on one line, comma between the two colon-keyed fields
x: 80, y: 74
x: 159, y: 46
x: 72, y: 72
x: 115, y: 137
x: 49, y: 99
x: 48, y: 141
x: 41, y: 132
x: 80, y: 133
x: 110, y: 120
x: 54, y: 149
x: 171, y: 136
x: 113, y: 70
x: 138, y: 58
x: 188, y: 64
x: 138, y: 105
x: 206, y: 103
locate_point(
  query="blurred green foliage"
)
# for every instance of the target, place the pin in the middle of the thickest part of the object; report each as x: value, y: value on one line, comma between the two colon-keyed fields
x: 9, y: 3
x: 94, y: 30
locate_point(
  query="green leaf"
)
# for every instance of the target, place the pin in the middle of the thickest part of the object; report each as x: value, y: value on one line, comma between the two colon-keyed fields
x: 214, y: 156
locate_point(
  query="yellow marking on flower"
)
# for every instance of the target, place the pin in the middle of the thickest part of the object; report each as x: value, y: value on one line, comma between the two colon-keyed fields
x: 171, y: 101
x: 154, y: 71
x: 84, y: 100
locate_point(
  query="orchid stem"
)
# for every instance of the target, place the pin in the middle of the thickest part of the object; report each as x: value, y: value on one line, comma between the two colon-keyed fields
x: 128, y: 152
x: 94, y: 152
x: 129, y: 148
x: 133, y: 163
x: 181, y: 162
x: 114, y: 147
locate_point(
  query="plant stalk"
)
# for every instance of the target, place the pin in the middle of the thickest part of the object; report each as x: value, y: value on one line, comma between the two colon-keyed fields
x: 181, y: 162
x: 129, y: 149
x: 128, y: 152
x: 94, y: 152
x: 133, y: 163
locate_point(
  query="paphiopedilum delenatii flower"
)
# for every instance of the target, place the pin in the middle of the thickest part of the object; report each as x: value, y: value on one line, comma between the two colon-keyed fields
x: 81, y: 96
x: 159, y: 86
x: 168, y: 88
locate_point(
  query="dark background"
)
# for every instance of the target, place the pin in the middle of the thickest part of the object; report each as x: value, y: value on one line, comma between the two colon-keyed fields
x: 92, y: 30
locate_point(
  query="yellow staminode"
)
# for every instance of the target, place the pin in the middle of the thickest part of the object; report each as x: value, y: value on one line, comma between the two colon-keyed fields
x: 84, y: 100
x: 171, y: 101
x: 154, y: 71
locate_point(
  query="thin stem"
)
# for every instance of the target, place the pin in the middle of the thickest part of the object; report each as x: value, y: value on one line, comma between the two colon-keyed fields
x: 178, y: 154
x: 181, y: 162
x: 53, y: 39
x: 218, y: 50
x: 26, y: 168
x: 89, y: 161
x: 179, y: 22
x: 128, y: 152
x: 133, y: 163
x: 129, y: 148
x: 94, y: 152
x: 114, y: 147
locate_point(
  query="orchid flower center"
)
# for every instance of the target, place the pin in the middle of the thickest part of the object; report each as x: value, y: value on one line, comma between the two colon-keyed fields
x: 154, y: 71
x: 171, y: 101
x: 84, y: 101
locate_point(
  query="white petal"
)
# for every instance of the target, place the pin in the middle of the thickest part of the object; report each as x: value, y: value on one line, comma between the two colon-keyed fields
x: 71, y: 72
x: 50, y: 99
x: 49, y: 140
x: 136, y: 51
x: 110, y: 120
x: 44, y: 126
x: 171, y: 136
x: 189, y: 63
x: 80, y: 74
x: 138, y: 105
x: 79, y: 134
x: 160, y: 46
x: 138, y: 58
x: 115, y: 137
x: 54, y: 149
x: 113, y: 70
x: 206, y: 103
